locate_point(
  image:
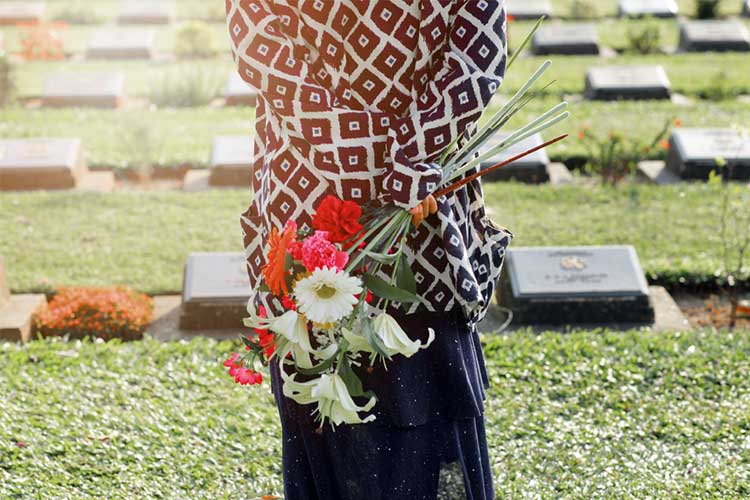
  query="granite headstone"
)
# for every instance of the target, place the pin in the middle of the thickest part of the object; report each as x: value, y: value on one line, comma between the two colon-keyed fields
x: 141, y: 12
x: 531, y: 168
x: 653, y: 8
x: 215, y: 291
x: 572, y: 285
x: 714, y: 36
x: 40, y: 163
x: 21, y: 12
x: 566, y: 39
x: 238, y: 92
x: 693, y: 152
x: 120, y: 44
x: 90, y: 89
x: 529, y: 9
x: 231, y: 161
x: 4, y: 290
x: 610, y: 83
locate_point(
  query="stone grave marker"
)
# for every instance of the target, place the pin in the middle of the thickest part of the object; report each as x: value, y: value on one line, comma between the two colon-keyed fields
x: 529, y: 9
x: 41, y: 164
x: 12, y: 13
x: 566, y: 39
x: 714, y: 35
x: 610, y: 83
x: 572, y: 285
x: 654, y: 8
x: 532, y: 168
x: 238, y: 92
x: 142, y: 12
x: 120, y: 44
x: 215, y: 291
x: 231, y: 161
x: 90, y: 89
x: 4, y: 290
x: 693, y: 152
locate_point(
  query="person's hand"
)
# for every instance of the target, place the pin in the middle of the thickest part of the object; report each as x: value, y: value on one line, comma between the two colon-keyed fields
x: 421, y: 211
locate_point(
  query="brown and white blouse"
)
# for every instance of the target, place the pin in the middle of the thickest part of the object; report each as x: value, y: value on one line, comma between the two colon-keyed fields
x: 359, y: 98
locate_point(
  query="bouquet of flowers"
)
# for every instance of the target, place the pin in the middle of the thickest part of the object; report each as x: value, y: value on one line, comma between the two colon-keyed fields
x: 327, y: 277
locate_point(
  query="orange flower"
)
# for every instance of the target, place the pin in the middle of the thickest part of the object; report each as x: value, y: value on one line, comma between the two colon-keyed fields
x: 273, y: 270
x: 677, y: 122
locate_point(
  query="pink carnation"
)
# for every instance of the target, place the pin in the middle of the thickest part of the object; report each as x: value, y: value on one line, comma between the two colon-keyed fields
x: 318, y: 252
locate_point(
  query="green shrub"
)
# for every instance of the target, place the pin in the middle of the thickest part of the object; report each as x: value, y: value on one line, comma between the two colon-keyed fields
x: 7, y: 85
x: 720, y: 88
x: 707, y: 9
x: 194, y: 39
x: 615, y: 156
x: 583, y: 9
x: 78, y: 12
x: 184, y: 88
x: 213, y: 12
x: 644, y: 37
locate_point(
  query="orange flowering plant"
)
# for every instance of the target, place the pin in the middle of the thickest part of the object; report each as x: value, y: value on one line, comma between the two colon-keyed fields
x: 41, y: 41
x: 89, y: 312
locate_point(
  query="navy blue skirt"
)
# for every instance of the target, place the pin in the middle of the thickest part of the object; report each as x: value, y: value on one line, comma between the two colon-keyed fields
x: 428, y: 439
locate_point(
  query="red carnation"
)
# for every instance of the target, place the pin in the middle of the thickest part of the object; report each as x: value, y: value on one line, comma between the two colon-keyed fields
x: 338, y: 217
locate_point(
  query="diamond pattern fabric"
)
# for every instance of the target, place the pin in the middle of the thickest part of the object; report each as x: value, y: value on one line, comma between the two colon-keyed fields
x: 359, y: 98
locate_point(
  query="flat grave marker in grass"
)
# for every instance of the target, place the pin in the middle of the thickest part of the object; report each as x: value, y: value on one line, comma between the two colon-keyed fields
x: 215, y: 291
x: 12, y: 13
x: 714, y: 35
x: 532, y: 168
x: 121, y: 44
x: 16, y: 311
x: 610, y: 83
x: 231, y: 161
x: 41, y: 163
x: 574, y: 285
x: 88, y: 89
x: 142, y: 12
x: 529, y: 9
x: 642, y: 8
x: 693, y: 152
x: 4, y: 290
x: 566, y: 39
x: 238, y: 92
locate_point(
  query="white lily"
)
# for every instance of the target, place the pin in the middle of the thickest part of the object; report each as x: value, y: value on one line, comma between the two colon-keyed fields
x: 394, y: 338
x: 293, y: 327
x: 330, y: 393
x: 356, y: 342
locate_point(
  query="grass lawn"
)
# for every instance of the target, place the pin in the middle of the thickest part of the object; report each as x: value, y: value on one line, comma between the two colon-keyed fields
x: 582, y: 415
x: 185, y: 135
x: 143, y: 239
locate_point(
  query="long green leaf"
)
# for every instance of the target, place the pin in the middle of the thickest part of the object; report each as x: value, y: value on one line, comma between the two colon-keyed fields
x: 385, y: 290
x: 405, y: 277
x: 525, y: 42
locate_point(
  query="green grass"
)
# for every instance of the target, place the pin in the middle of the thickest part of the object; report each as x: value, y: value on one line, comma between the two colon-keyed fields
x: 186, y: 134
x: 585, y: 415
x: 143, y: 239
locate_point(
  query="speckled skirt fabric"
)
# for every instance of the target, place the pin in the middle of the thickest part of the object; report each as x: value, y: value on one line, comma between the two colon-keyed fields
x: 428, y: 440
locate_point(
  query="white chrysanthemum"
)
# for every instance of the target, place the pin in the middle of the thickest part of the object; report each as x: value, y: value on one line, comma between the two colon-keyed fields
x: 327, y: 295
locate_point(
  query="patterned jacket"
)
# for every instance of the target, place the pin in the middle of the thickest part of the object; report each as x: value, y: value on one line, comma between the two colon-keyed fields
x: 359, y: 98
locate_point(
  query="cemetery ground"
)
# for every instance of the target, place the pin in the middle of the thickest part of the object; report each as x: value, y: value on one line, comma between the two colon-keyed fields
x: 588, y: 414
x: 592, y: 413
